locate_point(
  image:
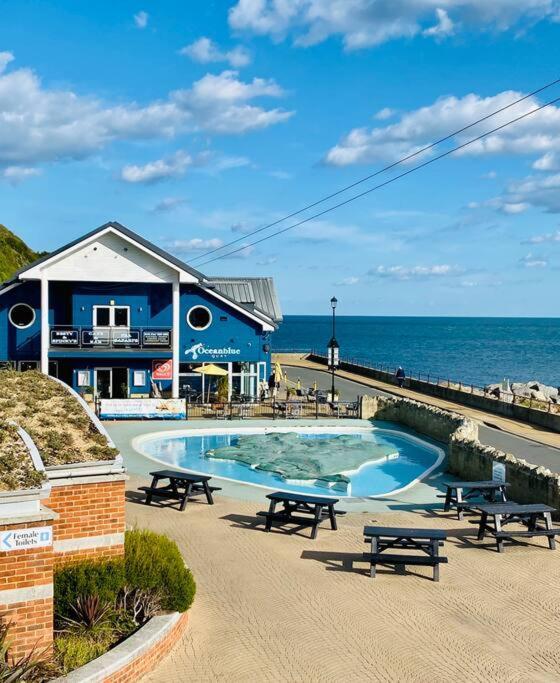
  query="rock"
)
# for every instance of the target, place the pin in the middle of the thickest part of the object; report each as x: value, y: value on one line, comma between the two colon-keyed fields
x: 493, y: 389
x: 547, y: 391
x: 521, y: 389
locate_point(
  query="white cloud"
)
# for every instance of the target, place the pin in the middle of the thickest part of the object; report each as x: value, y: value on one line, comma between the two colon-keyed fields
x: 39, y: 124
x: 347, y: 281
x: 384, y: 114
x: 444, y: 27
x: 536, y: 134
x: 531, y: 261
x: 267, y: 261
x: 536, y: 191
x: 415, y: 272
x: 154, y: 171
x: 141, y: 19
x: 551, y: 237
x: 16, y: 174
x: 548, y: 162
x: 205, y: 51
x: 5, y: 59
x: 365, y: 23
x: 194, y: 244
x: 168, y: 204
x: 513, y: 208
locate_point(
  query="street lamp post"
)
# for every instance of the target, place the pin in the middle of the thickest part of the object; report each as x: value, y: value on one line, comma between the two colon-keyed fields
x: 333, y: 348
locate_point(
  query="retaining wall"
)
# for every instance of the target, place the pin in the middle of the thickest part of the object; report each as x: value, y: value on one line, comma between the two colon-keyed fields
x: 530, y: 415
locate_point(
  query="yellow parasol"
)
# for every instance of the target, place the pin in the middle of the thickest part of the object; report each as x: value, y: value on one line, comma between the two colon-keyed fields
x: 278, y: 374
x: 212, y: 370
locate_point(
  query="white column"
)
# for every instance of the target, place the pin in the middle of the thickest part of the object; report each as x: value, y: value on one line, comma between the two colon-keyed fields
x: 44, y: 324
x: 175, y: 337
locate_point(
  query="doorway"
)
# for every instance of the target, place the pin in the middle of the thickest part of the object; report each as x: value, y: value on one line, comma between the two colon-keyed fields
x: 111, y: 382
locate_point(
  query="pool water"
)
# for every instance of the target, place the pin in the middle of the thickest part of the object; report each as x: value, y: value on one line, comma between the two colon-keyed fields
x: 411, y: 459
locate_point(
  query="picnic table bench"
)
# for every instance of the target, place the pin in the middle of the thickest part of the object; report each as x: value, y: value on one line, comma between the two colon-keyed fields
x: 181, y: 486
x: 494, y: 517
x: 460, y: 494
x: 301, y: 510
x: 427, y: 541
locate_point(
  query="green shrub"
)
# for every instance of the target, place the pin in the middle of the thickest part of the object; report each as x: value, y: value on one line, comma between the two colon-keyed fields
x: 103, y: 579
x: 153, y: 562
x: 73, y: 651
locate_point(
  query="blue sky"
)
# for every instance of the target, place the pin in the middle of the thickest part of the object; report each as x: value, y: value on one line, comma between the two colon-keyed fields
x: 194, y: 123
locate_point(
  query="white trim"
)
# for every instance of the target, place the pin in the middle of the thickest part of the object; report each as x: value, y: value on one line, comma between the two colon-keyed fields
x: 40, y: 267
x: 9, y: 288
x: 87, y: 542
x: 22, y: 327
x: 111, y: 324
x: 45, y: 340
x: 267, y: 327
x: 175, y: 336
x: 191, y: 309
x: 43, y: 591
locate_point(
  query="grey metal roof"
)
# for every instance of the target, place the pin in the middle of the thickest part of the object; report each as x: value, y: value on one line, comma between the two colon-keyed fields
x: 254, y: 293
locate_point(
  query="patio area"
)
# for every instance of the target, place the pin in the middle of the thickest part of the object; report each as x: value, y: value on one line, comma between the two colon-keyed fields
x: 281, y: 607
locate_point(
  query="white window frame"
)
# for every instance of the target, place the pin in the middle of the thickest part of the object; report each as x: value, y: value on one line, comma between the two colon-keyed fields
x: 22, y: 327
x: 191, y: 309
x: 138, y: 378
x: 111, y: 324
x: 83, y: 378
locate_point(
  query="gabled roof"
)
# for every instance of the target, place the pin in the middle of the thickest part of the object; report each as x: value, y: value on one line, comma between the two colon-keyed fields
x: 254, y: 293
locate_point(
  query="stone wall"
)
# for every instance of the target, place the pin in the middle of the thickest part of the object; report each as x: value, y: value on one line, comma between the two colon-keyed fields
x: 468, y: 459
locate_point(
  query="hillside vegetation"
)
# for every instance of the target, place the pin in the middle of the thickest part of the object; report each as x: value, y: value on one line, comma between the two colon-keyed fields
x: 14, y: 253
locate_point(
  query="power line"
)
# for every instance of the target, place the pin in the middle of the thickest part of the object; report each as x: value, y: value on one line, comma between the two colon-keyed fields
x: 373, y: 175
x: 387, y: 182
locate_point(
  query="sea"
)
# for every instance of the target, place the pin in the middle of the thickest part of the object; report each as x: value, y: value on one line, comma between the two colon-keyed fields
x: 476, y: 351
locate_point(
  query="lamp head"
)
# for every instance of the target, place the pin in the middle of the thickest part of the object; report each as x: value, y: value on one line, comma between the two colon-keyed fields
x: 333, y: 302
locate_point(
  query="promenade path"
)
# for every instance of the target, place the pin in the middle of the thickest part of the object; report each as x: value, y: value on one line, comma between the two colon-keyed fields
x: 283, y: 608
x: 531, y: 442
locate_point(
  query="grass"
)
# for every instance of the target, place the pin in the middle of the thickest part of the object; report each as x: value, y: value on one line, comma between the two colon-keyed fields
x: 55, y: 420
x: 16, y: 467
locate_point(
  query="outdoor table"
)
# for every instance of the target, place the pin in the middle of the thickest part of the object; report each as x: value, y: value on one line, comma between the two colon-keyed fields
x: 181, y: 486
x: 301, y: 510
x: 459, y: 492
x: 494, y: 517
x: 427, y: 541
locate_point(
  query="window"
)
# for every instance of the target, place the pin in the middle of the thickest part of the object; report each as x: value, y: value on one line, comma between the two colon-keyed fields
x: 111, y: 316
x: 25, y: 365
x: 139, y: 378
x: 199, y: 318
x: 21, y: 316
x: 83, y: 378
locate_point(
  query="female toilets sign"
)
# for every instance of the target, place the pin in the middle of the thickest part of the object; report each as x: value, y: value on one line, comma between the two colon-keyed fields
x: 22, y: 539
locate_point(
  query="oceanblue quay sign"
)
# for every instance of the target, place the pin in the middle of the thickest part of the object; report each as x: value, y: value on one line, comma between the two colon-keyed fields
x: 110, y: 311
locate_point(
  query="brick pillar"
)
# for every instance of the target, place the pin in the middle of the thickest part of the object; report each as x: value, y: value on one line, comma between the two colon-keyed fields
x: 26, y: 582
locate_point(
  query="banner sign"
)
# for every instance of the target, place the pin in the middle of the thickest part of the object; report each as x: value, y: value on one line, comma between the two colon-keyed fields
x: 156, y: 338
x: 68, y: 337
x: 95, y: 338
x: 162, y: 369
x: 198, y: 350
x: 143, y: 409
x: 22, y: 539
x: 126, y: 338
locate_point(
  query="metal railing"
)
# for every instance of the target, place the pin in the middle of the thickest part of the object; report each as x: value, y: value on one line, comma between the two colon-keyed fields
x: 273, y: 410
x: 78, y: 337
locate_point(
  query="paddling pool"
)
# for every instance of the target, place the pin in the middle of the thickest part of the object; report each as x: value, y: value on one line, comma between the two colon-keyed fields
x: 389, y: 461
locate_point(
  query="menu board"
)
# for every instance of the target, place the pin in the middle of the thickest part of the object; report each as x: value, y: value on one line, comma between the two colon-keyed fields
x: 67, y: 337
x: 156, y: 338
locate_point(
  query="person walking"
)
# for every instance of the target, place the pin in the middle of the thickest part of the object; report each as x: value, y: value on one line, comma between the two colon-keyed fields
x: 401, y: 376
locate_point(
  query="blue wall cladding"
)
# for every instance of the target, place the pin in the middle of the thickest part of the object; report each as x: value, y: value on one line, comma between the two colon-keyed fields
x: 150, y: 304
x: 18, y: 344
x: 230, y: 337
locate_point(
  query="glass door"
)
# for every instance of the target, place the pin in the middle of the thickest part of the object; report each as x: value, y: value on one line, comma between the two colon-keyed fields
x: 103, y: 383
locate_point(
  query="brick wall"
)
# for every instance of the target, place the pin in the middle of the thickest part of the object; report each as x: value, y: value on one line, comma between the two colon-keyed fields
x: 26, y: 585
x: 91, y: 519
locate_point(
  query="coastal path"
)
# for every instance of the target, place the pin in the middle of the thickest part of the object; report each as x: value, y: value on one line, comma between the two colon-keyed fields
x: 530, y: 442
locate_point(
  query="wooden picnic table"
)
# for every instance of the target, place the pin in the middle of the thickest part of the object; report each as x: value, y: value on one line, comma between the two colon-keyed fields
x: 495, y: 516
x: 460, y: 494
x: 300, y: 509
x: 181, y: 486
x: 427, y: 541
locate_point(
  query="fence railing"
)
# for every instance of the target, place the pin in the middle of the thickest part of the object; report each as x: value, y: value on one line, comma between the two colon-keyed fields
x: 273, y: 410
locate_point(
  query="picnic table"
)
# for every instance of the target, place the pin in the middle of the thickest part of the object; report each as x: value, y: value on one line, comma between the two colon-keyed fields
x: 461, y: 493
x: 181, y: 486
x: 494, y: 517
x: 427, y: 541
x: 301, y: 510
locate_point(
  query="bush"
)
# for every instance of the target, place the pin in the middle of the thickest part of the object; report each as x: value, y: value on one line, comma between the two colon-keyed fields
x: 153, y: 562
x: 104, y: 579
x: 73, y: 651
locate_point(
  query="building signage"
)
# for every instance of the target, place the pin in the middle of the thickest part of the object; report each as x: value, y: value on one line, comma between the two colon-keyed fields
x: 498, y: 471
x: 162, y: 369
x: 22, y: 539
x: 95, y: 337
x: 198, y: 350
x: 126, y: 337
x: 142, y: 409
x: 156, y: 338
x: 68, y: 337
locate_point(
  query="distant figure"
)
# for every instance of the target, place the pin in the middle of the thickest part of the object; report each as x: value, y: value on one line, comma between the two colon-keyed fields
x: 400, y: 375
x: 272, y: 385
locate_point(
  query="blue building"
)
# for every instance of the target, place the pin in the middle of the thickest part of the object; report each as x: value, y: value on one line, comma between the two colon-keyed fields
x: 113, y: 314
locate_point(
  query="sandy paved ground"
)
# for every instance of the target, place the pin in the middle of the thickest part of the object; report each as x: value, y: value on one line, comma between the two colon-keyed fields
x: 279, y: 607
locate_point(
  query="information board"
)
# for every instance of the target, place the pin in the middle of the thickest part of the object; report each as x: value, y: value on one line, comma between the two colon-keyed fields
x: 142, y: 409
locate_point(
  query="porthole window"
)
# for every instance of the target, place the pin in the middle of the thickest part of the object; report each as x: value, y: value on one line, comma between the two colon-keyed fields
x: 21, y: 316
x: 199, y: 318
